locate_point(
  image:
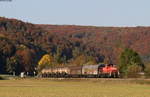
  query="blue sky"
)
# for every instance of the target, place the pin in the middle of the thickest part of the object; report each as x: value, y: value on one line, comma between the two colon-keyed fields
x: 79, y: 12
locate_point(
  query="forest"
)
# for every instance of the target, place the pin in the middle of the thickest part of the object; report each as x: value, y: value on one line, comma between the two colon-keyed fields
x: 22, y: 44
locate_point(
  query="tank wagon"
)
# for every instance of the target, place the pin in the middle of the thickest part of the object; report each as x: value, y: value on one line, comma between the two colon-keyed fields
x: 96, y: 71
x: 56, y: 72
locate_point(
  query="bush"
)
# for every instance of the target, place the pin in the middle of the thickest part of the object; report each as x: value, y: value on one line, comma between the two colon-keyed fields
x: 147, y: 71
x: 133, y: 71
x: 1, y: 78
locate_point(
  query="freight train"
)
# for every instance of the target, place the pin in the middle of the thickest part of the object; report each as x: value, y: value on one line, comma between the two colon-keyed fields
x: 86, y: 71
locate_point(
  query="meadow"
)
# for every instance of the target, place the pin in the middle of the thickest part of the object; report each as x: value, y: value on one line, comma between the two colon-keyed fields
x: 74, y: 88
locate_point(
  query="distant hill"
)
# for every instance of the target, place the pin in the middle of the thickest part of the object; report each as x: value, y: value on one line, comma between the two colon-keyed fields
x: 70, y: 41
x: 109, y: 41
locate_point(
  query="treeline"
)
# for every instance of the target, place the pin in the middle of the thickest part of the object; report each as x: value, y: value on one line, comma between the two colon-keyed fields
x: 22, y: 45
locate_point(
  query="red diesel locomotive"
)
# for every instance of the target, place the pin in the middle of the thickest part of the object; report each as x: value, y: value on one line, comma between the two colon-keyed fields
x: 109, y: 70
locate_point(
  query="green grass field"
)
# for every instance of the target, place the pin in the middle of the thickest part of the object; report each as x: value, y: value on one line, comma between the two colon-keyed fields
x: 74, y: 88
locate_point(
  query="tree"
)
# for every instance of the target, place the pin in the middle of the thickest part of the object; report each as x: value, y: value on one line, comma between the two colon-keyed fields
x: 83, y: 60
x: 64, y: 59
x: 58, y: 55
x: 12, y: 65
x: 76, y: 52
x: 80, y: 60
x: 46, y: 61
x: 7, y: 49
x: 26, y: 59
x: 129, y: 58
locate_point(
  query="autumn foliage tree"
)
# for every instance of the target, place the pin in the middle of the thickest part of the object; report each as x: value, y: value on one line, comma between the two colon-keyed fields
x: 26, y: 59
x: 45, y: 62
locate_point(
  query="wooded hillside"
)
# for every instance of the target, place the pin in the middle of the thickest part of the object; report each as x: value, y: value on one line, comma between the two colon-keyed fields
x: 25, y: 43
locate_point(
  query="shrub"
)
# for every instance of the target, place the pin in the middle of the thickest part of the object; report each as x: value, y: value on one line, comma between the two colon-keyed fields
x: 1, y: 78
x: 133, y: 71
x: 147, y: 71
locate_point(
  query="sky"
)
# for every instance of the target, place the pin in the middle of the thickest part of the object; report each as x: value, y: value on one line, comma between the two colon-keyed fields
x: 79, y: 12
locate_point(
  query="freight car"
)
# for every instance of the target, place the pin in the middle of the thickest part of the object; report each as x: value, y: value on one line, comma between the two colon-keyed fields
x: 90, y: 70
x: 75, y: 71
x: 96, y: 71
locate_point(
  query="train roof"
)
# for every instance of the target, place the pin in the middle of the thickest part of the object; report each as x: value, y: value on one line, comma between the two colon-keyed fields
x: 91, y: 66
